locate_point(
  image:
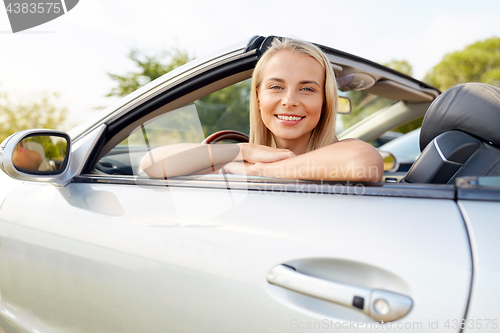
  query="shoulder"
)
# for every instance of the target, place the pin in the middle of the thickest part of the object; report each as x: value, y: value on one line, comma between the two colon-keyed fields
x: 355, y: 146
x: 351, y: 142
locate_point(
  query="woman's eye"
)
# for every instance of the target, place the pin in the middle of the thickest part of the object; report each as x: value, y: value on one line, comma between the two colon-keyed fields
x: 308, y: 89
x: 275, y: 87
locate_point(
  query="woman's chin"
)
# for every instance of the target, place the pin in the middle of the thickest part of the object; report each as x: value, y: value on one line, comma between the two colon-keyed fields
x: 288, y: 136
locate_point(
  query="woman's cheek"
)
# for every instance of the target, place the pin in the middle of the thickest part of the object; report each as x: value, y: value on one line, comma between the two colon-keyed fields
x: 316, y: 108
x: 267, y: 109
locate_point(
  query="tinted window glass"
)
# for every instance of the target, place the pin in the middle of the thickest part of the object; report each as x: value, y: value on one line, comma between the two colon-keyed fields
x: 363, y: 105
x: 224, y: 109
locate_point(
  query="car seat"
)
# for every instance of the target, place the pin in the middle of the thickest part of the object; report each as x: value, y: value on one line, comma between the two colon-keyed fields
x: 460, y: 136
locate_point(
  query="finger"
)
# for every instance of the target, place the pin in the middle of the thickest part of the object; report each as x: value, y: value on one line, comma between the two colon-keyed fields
x: 289, y: 153
x: 277, y: 156
x: 258, y: 153
x: 237, y: 168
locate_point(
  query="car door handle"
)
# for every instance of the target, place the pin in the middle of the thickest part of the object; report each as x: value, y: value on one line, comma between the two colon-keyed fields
x: 377, y: 304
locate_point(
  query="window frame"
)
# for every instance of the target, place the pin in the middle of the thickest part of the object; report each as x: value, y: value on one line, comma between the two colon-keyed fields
x: 276, y: 185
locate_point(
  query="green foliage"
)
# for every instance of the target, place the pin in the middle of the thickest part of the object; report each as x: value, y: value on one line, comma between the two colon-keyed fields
x: 29, y: 114
x: 478, y: 62
x: 62, y: 146
x: 402, y: 66
x: 150, y: 68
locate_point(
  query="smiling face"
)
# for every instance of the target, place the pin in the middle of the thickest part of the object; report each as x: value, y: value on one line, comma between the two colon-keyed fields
x: 290, y: 97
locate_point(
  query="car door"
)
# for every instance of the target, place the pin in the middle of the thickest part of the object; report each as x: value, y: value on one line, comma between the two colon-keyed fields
x: 479, y: 202
x: 112, y: 256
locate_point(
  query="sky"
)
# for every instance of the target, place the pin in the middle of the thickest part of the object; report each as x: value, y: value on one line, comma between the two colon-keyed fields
x: 72, y: 54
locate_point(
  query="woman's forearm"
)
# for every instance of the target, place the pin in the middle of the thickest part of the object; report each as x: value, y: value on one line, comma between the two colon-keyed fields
x: 187, y: 158
x: 348, y: 160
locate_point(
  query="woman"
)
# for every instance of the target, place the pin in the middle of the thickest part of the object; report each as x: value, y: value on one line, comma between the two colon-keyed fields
x: 292, y: 127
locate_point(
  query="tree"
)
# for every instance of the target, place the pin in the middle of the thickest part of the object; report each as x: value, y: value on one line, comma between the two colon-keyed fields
x: 402, y: 66
x: 478, y: 62
x: 28, y: 114
x: 150, y: 67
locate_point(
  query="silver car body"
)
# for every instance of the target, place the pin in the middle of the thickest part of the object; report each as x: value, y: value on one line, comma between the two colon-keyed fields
x: 104, y: 253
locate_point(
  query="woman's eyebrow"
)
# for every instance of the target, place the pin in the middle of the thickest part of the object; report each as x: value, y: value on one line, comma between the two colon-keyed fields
x: 309, y: 82
x: 275, y: 79
x: 301, y: 82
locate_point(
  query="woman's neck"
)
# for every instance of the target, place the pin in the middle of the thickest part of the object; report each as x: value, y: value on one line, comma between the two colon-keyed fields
x: 298, y: 146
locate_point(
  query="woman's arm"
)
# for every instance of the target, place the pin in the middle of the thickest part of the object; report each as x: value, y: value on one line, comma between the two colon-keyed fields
x: 347, y: 160
x: 28, y: 159
x: 191, y: 158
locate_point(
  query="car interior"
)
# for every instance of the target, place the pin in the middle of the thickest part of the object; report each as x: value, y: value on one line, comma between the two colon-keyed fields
x: 456, y: 142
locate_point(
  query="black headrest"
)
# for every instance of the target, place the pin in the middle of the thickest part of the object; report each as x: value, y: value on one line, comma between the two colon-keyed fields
x: 473, y: 108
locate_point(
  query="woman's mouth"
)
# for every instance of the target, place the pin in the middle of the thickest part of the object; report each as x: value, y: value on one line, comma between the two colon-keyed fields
x: 289, y: 120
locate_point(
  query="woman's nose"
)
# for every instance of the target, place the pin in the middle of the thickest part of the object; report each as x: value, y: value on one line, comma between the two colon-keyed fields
x: 290, y: 99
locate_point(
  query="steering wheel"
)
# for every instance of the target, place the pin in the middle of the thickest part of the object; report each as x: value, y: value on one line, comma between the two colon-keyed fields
x: 226, y: 135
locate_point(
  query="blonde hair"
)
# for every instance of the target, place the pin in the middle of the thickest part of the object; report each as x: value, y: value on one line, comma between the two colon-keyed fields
x: 324, y: 132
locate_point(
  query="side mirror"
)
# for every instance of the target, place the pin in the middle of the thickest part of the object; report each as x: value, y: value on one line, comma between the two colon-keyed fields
x: 37, y: 155
x: 345, y: 105
x: 391, y: 164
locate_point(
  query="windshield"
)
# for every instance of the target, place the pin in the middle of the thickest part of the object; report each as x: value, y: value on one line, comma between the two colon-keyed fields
x: 405, y: 147
x: 363, y: 106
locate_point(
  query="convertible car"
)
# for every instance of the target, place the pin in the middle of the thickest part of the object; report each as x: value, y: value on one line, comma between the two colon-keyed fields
x: 88, y: 243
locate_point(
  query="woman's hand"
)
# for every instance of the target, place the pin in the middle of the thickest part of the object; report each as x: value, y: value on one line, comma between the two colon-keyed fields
x: 243, y: 168
x: 254, y: 153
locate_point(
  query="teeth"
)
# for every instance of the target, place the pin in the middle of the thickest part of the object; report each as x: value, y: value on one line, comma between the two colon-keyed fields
x: 288, y: 117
